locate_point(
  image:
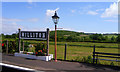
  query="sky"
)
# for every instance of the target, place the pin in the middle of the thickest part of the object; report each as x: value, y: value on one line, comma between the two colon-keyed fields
x: 97, y: 17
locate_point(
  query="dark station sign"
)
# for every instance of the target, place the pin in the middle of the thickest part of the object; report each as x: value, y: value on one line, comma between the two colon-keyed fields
x: 41, y: 35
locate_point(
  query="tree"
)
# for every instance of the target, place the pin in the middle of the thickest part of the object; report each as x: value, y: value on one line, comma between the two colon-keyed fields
x: 69, y: 38
x: 113, y: 39
x: 118, y: 38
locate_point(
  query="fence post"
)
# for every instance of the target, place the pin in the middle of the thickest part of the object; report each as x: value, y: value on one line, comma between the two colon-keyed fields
x: 65, y: 51
x: 7, y: 48
x: 96, y: 58
x: 47, y: 41
x: 19, y: 45
x: 93, y: 54
x: 23, y: 46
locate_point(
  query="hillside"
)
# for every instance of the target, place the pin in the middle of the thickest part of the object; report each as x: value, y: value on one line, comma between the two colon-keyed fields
x: 66, y: 33
x: 72, y: 36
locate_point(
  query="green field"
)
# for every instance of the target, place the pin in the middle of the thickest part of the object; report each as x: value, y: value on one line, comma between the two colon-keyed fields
x: 81, y: 49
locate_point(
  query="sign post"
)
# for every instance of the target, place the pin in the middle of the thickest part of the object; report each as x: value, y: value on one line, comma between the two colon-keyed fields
x: 7, y: 48
x: 19, y: 44
x: 47, y: 41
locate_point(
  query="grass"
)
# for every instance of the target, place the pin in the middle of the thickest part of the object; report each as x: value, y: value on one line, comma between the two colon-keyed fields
x: 77, y: 51
x: 81, y: 49
x: 89, y: 44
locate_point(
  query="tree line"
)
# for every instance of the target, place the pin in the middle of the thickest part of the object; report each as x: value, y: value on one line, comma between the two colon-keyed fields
x: 72, y: 36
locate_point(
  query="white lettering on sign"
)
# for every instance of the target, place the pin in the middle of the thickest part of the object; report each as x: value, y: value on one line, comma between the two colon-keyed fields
x: 43, y: 35
x: 33, y: 35
x: 36, y: 34
x: 30, y: 34
x: 40, y: 35
x: 22, y: 34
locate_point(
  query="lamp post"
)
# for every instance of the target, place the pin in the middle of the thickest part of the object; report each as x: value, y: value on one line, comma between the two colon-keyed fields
x: 55, y: 20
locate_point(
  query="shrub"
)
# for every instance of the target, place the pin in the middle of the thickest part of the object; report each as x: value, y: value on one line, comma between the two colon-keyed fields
x: 84, y: 59
x: 40, y: 49
x: 112, y: 64
x: 77, y: 58
x: 89, y: 59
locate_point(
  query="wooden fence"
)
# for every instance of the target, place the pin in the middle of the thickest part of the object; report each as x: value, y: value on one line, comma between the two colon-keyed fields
x: 96, y: 56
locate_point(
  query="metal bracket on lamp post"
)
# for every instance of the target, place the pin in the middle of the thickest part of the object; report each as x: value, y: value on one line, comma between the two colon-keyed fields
x: 59, y: 28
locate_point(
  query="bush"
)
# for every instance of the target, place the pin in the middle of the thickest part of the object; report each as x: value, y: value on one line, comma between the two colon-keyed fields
x: 84, y: 59
x: 77, y: 58
x: 112, y: 64
x: 40, y: 49
x: 89, y: 59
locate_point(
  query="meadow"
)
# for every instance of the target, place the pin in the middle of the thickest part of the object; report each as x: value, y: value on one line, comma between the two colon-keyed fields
x: 83, y: 49
x: 78, y: 50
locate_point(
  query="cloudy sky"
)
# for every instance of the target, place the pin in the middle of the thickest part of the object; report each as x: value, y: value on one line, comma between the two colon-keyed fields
x: 100, y: 17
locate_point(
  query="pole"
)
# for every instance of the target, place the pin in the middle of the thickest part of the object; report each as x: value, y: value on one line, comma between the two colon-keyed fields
x: 65, y: 51
x: 23, y: 46
x: 47, y: 41
x: 55, y: 43
x: 19, y: 40
x: 7, y: 48
x: 93, y: 54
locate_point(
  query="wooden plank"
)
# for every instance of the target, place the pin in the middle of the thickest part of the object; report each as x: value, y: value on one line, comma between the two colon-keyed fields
x: 23, y: 46
x: 7, y: 48
x: 47, y: 41
x: 93, y: 54
x: 107, y: 56
x: 65, y: 51
x: 107, y: 53
x: 19, y: 44
x: 109, y: 60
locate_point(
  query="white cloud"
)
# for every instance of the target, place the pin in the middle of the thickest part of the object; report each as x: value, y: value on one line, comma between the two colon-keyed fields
x: 30, y: 1
x: 9, y: 28
x: 111, y: 20
x: 99, y: 9
x: 31, y: 4
x: 33, y: 20
x: 19, y: 20
x: 72, y: 11
x: 68, y: 29
x: 51, y: 12
x: 8, y: 19
x: 92, y: 13
x: 112, y: 11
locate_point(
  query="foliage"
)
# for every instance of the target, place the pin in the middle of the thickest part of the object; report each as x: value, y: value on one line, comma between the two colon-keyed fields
x: 71, y: 36
x: 112, y: 64
x: 40, y: 49
x: 118, y: 38
x: 31, y: 49
x: 89, y: 59
x: 77, y: 58
x: 84, y: 59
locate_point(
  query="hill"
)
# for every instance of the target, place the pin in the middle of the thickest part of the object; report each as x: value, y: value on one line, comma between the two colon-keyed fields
x: 72, y: 36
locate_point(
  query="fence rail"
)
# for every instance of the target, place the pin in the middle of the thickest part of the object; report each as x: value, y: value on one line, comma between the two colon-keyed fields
x: 107, y: 55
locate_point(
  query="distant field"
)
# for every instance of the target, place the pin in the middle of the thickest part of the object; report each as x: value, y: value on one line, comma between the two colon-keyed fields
x: 110, y: 36
x: 80, y: 49
x: 77, y: 51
